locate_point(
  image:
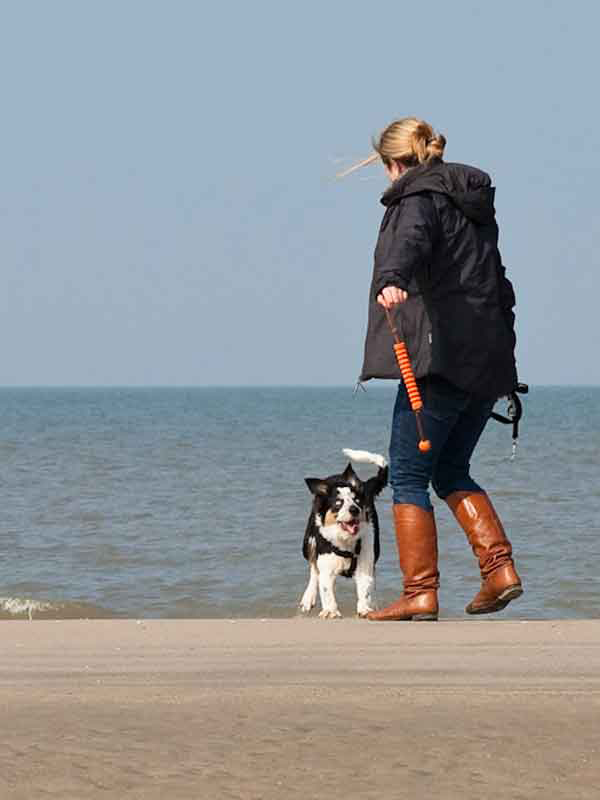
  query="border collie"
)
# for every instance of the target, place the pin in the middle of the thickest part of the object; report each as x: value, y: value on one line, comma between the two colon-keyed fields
x: 342, y: 535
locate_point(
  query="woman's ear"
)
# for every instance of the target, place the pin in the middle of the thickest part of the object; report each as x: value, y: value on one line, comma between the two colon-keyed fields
x: 395, y: 170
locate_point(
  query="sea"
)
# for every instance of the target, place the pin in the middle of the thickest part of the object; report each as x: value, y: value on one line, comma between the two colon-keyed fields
x: 191, y: 502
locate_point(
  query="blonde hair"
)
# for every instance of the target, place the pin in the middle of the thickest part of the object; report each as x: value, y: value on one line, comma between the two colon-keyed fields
x: 410, y: 141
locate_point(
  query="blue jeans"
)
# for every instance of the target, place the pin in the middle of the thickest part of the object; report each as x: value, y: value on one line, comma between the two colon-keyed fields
x: 453, y: 421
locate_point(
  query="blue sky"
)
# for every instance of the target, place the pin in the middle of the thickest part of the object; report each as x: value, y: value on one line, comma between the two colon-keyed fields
x: 170, y: 213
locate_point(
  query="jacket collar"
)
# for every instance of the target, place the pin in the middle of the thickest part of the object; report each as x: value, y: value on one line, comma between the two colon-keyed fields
x: 412, y: 181
x: 469, y: 188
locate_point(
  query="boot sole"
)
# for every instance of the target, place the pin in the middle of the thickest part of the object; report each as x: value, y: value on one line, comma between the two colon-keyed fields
x: 511, y: 593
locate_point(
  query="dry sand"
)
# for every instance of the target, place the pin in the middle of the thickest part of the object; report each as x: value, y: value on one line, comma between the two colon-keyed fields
x: 299, y: 709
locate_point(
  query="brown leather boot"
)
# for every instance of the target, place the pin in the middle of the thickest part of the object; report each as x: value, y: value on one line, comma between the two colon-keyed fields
x: 416, y: 538
x: 499, y: 580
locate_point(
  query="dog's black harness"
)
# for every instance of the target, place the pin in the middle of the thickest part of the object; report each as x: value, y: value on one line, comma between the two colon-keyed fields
x: 347, y: 573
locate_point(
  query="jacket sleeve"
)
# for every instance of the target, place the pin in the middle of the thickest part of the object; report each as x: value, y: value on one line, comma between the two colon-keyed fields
x: 405, y: 241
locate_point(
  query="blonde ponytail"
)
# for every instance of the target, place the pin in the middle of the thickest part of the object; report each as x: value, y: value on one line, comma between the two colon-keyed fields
x: 410, y: 141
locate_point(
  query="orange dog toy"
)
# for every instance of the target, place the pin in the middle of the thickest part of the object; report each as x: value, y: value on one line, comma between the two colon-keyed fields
x: 410, y: 383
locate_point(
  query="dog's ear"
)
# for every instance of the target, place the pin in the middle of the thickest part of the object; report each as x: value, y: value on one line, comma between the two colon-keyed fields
x: 376, y: 484
x: 317, y: 486
x: 351, y: 477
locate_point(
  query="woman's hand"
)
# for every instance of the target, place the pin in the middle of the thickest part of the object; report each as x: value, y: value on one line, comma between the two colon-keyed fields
x: 391, y: 296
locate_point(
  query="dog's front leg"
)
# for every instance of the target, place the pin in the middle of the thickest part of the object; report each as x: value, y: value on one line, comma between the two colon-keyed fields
x: 309, y: 598
x: 327, y: 574
x: 365, y: 593
x: 364, y: 577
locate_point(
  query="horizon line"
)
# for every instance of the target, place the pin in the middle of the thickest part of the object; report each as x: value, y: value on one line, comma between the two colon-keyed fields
x: 377, y: 383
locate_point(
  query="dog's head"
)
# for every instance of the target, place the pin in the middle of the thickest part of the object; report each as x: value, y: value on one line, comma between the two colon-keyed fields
x: 340, y: 500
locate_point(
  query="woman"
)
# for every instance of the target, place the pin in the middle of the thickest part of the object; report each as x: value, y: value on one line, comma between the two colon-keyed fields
x: 438, y: 267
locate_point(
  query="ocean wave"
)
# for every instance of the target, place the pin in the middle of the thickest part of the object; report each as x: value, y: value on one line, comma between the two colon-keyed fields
x: 29, y: 608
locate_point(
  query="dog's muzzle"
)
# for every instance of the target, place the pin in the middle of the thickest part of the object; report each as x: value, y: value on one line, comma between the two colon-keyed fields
x: 352, y: 526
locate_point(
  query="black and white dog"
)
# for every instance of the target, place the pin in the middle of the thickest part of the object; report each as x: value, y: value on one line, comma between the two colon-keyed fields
x: 342, y: 535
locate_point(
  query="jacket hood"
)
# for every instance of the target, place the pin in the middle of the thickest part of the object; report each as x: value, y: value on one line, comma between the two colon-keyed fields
x: 469, y: 188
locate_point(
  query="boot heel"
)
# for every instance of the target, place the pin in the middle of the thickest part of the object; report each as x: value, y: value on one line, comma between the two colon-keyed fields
x: 503, y: 599
x: 511, y: 594
x: 424, y: 617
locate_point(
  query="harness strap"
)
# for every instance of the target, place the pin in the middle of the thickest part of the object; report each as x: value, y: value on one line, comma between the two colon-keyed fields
x: 342, y: 553
x: 347, y: 573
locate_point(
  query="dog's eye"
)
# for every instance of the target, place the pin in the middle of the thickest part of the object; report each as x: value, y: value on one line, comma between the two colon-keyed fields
x: 337, y: 505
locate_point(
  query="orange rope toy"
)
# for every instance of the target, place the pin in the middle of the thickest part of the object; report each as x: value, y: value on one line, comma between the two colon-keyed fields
x: 410, y: 383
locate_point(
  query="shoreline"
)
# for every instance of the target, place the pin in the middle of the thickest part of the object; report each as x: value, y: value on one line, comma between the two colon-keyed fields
x: 258, y: 709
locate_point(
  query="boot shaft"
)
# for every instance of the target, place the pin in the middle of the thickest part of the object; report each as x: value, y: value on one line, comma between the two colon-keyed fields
x: 477, y: 516
x: 499, y: 580
x: 416, y: 539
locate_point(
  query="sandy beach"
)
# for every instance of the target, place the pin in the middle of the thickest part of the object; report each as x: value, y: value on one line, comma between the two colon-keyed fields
x: 300, y: 709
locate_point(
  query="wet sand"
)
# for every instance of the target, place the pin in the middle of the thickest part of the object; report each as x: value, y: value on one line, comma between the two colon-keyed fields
x: 299, y: 709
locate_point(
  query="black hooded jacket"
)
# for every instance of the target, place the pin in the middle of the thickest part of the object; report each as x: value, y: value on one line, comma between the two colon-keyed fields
x: 439, y: 241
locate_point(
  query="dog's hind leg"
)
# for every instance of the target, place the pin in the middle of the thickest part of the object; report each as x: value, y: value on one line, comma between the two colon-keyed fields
x: 327, y: 575
x: 309, y: 598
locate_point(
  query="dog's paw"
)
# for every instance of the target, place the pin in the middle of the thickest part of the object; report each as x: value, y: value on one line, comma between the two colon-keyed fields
x: 363, y: 611
x: 307, y: 603
x: 328, y: 614
x: 365, y: 603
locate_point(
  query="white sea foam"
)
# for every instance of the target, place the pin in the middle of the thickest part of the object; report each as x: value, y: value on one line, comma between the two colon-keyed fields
x: 19, y: 605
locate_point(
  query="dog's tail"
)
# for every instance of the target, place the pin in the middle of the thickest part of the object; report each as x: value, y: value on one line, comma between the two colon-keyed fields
x: 365, y: 457
x: 374, y: 485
